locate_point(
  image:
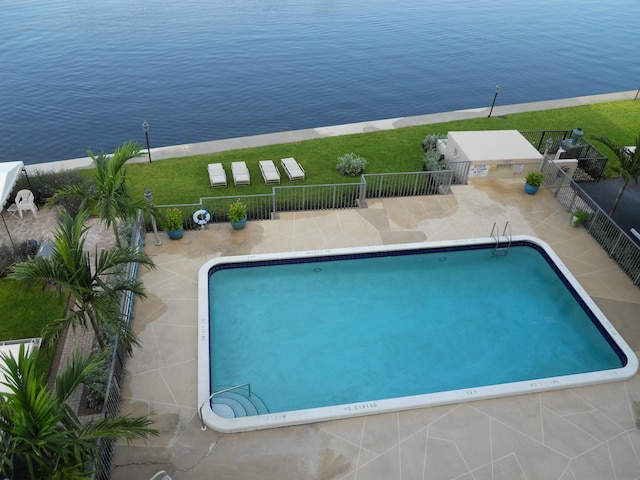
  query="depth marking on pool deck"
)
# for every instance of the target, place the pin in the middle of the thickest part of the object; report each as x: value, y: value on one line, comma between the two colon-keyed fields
x: 358, y: 407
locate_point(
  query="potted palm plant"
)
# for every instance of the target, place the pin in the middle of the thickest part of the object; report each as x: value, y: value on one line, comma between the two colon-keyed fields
x: 237, y: 214
x: 533, y: 181
x: 172, y: 222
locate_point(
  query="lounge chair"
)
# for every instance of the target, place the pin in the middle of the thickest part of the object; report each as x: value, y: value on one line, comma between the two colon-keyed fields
x: 293, y: 169
x: 270, y: 172
x: 24, y: 201
x: 240, y: 173
x: 217, y: 175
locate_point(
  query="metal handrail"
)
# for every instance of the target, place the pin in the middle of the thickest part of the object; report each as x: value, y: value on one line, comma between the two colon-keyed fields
x: 498, y: 238
x: 204, y: 427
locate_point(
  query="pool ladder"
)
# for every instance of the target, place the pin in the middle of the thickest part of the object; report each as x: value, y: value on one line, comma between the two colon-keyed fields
x: 503, y: 242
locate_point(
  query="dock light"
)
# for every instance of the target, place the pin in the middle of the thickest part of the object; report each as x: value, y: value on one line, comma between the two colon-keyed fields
x: 498, y: 87
x: 145, y: 127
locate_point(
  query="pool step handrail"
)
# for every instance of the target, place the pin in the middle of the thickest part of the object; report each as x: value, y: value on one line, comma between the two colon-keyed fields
x: 501, y: 249
x: 243, y: 385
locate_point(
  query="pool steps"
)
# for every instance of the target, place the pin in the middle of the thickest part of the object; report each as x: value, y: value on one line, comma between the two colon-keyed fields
x: 235, y: 404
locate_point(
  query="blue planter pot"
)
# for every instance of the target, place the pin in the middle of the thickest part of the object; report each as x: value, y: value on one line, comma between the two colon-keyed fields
x: 530, y: 189
x: 175, y: 234
x: 239, y: 224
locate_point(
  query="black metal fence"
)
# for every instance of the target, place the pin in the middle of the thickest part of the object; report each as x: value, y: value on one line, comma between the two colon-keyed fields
x: 115, y: 384
x: 607, y: 233
x: 591, y: 161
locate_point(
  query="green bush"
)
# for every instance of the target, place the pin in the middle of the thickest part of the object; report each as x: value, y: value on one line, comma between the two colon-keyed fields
x: 430, y: 141
x: 45, y: 184
x: 9, y: 255
x: 432, y: 161
x: 534, y: 178
x: 351, y: 165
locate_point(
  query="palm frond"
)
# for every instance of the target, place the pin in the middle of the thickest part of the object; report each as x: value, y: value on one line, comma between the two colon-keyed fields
x: 75, y: 372
x: 126, y: 427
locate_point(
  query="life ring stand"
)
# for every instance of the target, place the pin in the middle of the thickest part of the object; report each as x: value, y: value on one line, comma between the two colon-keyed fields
x: 201, y: 217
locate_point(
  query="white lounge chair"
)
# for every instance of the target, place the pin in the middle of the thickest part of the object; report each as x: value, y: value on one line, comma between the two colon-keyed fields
x: 240, y: 173
x: 293, y: 169
x: 270, y: 172
x: 24, y: 201
x: 217, y: 175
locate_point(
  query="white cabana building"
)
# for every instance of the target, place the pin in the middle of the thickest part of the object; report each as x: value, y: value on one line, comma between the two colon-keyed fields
x: 494, y: 153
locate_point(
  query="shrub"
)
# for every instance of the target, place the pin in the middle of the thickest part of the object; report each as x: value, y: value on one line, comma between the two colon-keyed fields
x: 125, y: 231
x: 172, y: 219
x: 237, y: 211
x: 432, y: 161
x: 96, y: 383
x: 534, y: 178
x: 9, y: 256
x: 351, y: 165
x: 45, y: 184
x: 430, y: 141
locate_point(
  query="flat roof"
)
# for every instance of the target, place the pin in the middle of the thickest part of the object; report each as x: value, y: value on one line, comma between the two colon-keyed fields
x: 494, y: 145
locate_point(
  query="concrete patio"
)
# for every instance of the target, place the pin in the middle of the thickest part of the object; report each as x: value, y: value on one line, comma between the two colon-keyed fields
x: 582, y: 433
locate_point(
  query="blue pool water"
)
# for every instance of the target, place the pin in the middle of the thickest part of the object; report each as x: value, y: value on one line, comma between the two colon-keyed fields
x: 327, y: 331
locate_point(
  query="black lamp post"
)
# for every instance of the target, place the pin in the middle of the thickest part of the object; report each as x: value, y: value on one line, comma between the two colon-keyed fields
x: 145, y: 127
x: 149, y: 196
x: 27, y: 177
x: 494, y: 100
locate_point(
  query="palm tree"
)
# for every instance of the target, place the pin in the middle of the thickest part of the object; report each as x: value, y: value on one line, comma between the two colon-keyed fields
x: 108, y: 197
x: 95, y: 289
x: 628, y: 168
x: 41, y: 436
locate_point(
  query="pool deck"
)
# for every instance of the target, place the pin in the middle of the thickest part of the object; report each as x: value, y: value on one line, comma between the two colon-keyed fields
x: 575, y: 434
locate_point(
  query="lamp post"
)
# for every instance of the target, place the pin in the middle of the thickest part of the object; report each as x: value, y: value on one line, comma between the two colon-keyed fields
x: 149, y: 196
x: 545, y: 157
x: 494, y: 99
x: 24, y: 170
x: 145, y: 127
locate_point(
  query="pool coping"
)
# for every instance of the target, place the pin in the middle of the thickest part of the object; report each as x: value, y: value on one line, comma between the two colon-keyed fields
x: 259, y: 422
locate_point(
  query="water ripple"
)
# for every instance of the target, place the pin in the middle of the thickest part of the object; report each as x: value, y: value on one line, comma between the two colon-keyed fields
x: 85, y: 74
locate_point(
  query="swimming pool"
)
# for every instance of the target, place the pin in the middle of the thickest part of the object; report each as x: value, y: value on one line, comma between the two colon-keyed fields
x: 330, y: 334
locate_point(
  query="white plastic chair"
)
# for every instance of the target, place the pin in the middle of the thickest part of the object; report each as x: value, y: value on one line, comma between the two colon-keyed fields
x: 25, y: 201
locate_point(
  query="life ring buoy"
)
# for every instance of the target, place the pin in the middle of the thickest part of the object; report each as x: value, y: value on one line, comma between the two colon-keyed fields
x: 201, y: 217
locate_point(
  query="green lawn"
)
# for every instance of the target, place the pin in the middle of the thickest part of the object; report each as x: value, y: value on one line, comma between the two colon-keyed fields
x: 25, y: 311
x: 185, y: 180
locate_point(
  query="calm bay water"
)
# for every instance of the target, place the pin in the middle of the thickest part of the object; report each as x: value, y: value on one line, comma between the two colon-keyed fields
x: 78, y: 74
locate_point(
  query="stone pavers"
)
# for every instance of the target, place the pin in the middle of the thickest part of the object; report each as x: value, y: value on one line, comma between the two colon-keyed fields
x: 42, y: 228
x: 573, y: 434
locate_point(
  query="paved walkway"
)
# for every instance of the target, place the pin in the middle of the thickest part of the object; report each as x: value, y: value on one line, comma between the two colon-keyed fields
x: 568, y: 435
x: 41, y: 228
x: 574, y: 434
x: 163, y: 153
